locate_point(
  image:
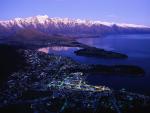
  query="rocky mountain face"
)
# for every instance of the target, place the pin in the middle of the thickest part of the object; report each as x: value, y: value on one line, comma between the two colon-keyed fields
x: 67, y: 26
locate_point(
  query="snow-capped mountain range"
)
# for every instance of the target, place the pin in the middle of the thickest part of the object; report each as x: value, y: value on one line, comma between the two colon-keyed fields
x: 68, y: 26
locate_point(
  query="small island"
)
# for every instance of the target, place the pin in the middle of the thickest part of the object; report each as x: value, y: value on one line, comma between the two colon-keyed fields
x: 100, y: 53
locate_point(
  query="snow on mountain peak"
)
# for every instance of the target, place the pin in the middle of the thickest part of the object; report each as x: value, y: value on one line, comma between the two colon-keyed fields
x: 17, y: 19
x: 44, y: 18
x: 41, y: 18
x: 72, y: 26
x: 132, y: 25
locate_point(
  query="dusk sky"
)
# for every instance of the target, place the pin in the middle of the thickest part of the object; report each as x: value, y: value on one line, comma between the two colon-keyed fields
x: 119, y: 11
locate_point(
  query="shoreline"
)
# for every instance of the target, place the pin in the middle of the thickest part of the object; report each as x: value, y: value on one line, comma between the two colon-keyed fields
x: 51, y: 79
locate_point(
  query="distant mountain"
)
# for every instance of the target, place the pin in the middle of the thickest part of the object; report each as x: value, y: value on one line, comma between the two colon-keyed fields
x: 65, y: 26
x: 32, y: 38
x: 29, y: 34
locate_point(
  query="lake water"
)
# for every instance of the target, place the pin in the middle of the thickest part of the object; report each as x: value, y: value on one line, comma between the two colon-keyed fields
x: 137, y: 47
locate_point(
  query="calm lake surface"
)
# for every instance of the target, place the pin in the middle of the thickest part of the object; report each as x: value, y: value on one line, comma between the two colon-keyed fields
x: 137, y: 47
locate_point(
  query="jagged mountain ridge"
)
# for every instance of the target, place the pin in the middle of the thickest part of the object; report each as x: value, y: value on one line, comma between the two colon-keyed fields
x: 68, y: 26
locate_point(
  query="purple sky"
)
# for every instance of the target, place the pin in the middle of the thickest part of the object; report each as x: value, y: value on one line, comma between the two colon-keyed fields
x: 119, y: 11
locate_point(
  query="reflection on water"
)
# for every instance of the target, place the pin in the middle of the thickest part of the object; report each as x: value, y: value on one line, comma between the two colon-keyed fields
x: 45, y: 50
x: 59, y: 50
x: 56, y: 48
x: 137, y: 47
